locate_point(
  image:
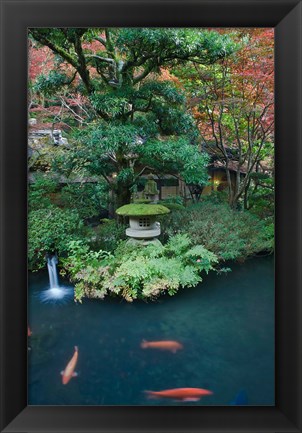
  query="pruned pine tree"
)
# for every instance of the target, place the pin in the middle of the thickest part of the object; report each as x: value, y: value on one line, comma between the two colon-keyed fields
x: 132, y: 120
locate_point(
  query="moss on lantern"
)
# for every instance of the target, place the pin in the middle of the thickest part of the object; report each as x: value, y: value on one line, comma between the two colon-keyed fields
x: 141, y: 201
x: 135, y: 209
x: 150, y: 187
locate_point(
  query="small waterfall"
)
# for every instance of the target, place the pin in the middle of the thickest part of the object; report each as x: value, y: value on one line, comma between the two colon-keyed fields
x: 52, y: 272
x: 55, y: 292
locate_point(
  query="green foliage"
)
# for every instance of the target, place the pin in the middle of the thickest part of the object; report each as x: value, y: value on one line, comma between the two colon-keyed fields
x: 99, y: 145
x: 224, y: 107
x: 51, y: 83
x: 269, y: 232
x: 79, y: 254
x: 178, y: 244
x: 175, y: 199
x: 88, y: 199
x: 133, y: 120
x: 174, y: 203
x: 96, y: 148
x: 51, y: 229
x: 44, y: 157
x: 108, y: 235
x: 108, y: 137
x: 39, y: 192
x: 161, y: 91
x: 228, y: 233
x: 172, y: 206
x: 179, y: 156
x: 127, y: 107
x: 261, y: 198
x: 202, y: 256
x: 138, y: 271
x: 112, y: 105
x: 87, y: 266
x: 174, y: 44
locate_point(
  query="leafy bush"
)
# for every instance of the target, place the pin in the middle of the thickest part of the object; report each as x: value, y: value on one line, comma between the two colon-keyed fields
x: 269, y: 232
x: 227, y: 233
x: 88, y: 199
x: 39, y: 192
x: 107, y: 235
x: 172, y: 206
x: 177, y: 199
x: 137, y: 271
x: 51, y: 229
x: 261, y: 198
x: 51, y: 83
x: 86, y: 267
x: 217, y: 197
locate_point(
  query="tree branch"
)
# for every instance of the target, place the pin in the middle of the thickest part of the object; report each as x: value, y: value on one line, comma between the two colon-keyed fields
x: 101, y: 40
x: 82, y: 67
x: 102, y: 59
x: 55, y: 48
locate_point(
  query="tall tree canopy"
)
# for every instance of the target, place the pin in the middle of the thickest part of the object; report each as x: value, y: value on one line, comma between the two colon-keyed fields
x: 134, y: 120
x: 233, y: 102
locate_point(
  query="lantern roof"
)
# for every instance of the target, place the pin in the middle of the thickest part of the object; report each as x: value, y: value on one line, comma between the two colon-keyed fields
x: 142, y: 209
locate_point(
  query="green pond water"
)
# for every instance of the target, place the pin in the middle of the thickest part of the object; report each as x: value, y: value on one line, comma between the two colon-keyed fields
x: 226, y: 327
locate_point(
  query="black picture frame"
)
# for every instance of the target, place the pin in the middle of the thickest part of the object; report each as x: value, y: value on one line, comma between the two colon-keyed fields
x: 16, y: 17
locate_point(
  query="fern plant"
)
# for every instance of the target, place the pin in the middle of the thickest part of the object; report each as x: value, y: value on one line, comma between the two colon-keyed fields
x: 139, y: 272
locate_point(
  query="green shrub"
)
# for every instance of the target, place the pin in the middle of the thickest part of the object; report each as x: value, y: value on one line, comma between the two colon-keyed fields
x: 51, y: 229
x: 88, y: 199
x: 261, y: 203
x: 137, y: 271
x: 177, y: 199
x: 269, y: 232
x: 107, y: 235
x: 172, y: 206
x: 86, y: 268
x: 39, y: 192
x: 215, y: 197
x: 228, y: 233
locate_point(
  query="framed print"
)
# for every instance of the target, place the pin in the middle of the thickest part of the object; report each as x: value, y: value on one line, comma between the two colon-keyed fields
x: 156, y: 142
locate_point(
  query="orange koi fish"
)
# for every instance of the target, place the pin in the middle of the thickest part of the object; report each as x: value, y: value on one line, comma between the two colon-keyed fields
x: 69, y: 372
x: 171, y: 345
x: 180, y: 394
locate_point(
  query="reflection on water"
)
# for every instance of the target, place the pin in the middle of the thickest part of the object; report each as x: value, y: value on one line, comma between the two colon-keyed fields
x: 225, y: 327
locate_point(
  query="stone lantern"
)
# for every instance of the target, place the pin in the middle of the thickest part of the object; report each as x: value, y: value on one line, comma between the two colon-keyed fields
x: 142, y: 219
x: 150, y: 191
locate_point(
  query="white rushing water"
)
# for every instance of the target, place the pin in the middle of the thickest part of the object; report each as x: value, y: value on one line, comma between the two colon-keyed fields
x: 52, y: 272
x: 55, y: 291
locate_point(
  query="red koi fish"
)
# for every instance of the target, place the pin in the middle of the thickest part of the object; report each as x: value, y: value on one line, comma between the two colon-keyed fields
x: 180, y: 394
x: 28, y: 331
x: 69, y: 372
x: 172, y: 346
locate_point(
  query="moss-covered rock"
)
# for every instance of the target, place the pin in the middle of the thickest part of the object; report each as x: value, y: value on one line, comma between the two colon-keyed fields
x: 136, y: 209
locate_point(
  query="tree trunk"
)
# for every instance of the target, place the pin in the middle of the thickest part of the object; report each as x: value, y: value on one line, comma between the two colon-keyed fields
x: 232, y: 194
x: 246, y: 189
x: 123, y: 195
x: 233, y: 201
